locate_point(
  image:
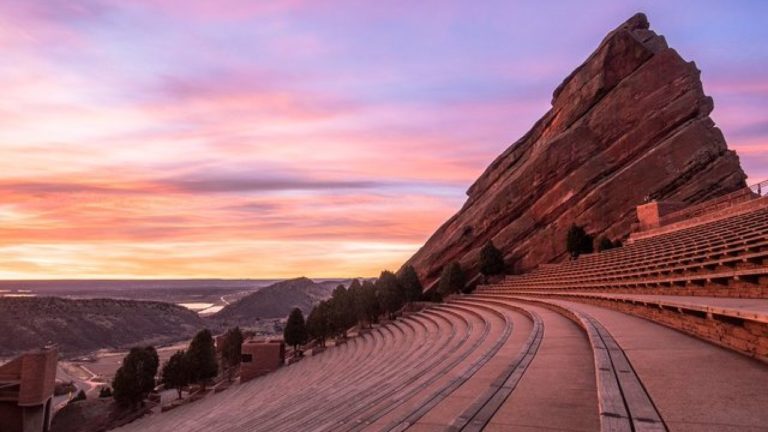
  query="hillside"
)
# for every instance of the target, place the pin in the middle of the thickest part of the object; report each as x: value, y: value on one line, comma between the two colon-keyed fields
x: 630, y: 124
x: 276, y: 301
x: 80, y: 326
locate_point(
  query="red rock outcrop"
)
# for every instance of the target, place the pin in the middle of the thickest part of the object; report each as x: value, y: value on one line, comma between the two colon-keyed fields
x: 631, y: 123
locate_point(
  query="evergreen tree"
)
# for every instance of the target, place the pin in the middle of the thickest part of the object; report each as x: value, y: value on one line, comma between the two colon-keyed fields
x: 201, y: 358
x: 342, y: 311
x: 578, y: 241
x: 409, y: 281
x: 491, y: 260
x: 136, y: 376
x: 358, y: 301
x: 390, y: 293
x: 318, y: 322
x: 371, y: 302
x: 176, y: 373
x: 295, y: 332
x: 452, y: 280
x: 231, y: 348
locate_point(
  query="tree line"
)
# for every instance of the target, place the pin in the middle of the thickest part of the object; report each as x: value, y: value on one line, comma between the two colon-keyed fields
x: 365, y: 303
x: 198, y: 364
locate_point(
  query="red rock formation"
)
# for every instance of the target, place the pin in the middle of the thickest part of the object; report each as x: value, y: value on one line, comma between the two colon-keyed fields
x: 632, y: 122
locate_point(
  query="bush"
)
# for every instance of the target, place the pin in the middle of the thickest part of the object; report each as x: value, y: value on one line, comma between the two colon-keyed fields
x: 578, y: 241
x: 105, y: 392
x: 295, y: 332
x: 452, y: 280
x: 80, y: 396
x: 432, y: 296
x: 604, y: 244
x: 491, y: 260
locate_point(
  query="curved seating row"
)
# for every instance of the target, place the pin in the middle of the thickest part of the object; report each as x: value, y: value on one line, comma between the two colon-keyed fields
x: 724, y: 258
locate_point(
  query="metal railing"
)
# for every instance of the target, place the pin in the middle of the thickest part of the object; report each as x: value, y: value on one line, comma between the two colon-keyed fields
x: 761, y: 189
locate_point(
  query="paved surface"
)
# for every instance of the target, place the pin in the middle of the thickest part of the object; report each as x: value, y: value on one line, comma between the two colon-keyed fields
x: 558, y: 390
x: 696, y: 386
x: 744, y: 305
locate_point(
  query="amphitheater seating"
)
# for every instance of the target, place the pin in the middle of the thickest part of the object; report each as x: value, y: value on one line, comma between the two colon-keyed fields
x: 669, y: 332
x: 726, y: 258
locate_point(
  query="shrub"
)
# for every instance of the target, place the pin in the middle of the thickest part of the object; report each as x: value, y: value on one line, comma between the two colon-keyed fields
x: 432, y: 295
x: 578, y: 241
x: 80, y: 396
x: 604, y: 244
x: 452, y: 280
x: 491, y: 260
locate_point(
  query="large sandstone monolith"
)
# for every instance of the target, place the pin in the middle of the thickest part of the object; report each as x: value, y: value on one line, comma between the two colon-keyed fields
x: 631, y: 123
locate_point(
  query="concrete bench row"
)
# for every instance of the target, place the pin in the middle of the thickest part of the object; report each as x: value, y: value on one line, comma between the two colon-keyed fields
x: 741, y: 326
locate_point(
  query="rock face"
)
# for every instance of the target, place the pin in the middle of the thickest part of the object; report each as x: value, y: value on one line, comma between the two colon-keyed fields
x: 629, y: 124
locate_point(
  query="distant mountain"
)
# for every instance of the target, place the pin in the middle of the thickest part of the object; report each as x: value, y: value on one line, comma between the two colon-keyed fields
x: 276, y: 301
x: 81, y: 326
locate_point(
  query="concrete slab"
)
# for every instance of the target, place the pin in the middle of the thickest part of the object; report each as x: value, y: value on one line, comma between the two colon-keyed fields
x: 558, y: 390
x: 695, y: 385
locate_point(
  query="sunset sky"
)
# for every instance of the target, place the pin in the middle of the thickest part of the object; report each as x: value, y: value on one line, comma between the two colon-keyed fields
x: 266, y: 139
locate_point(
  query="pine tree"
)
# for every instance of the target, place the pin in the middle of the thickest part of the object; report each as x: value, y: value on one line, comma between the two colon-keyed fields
x: 491, y: 260
x: 295, y: 332
x: 176, y: 372
x: 358, y: 301
x: 231, y: 348
x: 390, y: 293
x: 409, y: 281
x: 318, y: 322
x: 342, y: 312
x: 371, y: 302
x: 452, y: 280
x: 135, y: 378
x: 201, y: 358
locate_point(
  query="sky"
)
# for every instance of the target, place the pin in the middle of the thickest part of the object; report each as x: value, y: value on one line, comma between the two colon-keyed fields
x: 266, y: 139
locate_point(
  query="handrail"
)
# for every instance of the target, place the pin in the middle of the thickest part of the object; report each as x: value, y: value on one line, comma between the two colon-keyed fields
x: 761, y: 189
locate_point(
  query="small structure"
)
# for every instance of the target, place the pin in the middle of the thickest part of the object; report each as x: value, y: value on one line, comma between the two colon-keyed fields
x: 261, y: 356
x: 650, y: 215
x: 26, y: 391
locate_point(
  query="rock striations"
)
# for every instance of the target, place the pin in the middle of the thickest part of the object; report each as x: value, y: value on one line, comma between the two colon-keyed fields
x: 630, y: 123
